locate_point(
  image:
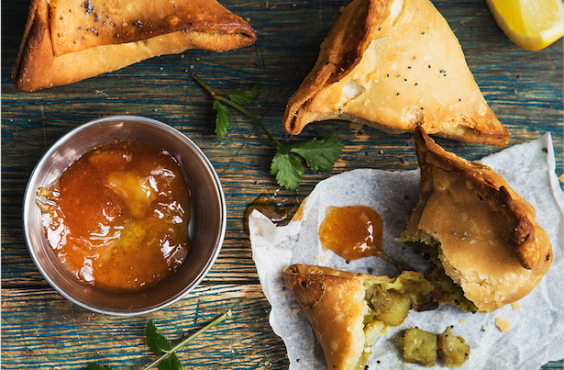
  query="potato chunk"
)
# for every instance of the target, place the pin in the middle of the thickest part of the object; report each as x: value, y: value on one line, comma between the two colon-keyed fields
x: 395, y: 309
x: 452, y: 349
x: 419, y: 346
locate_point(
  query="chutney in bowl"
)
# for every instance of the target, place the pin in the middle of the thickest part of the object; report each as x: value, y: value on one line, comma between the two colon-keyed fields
x: 207, y: 214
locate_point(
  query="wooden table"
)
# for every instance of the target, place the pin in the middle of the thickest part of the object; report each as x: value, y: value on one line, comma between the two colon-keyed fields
x: 41, y: 329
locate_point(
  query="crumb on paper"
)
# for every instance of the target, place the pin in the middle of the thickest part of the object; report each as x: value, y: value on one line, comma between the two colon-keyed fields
x: 284, y: 268
x: 503, y: 323
x: 319, y: 257
x: 463, y: 321
x: 561, y: 178
x: 516, y: 306
x: 297, y: 310
x: 486, y: 329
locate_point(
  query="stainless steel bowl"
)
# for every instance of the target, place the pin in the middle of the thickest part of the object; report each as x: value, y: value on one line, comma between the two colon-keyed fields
x: 207, y: 225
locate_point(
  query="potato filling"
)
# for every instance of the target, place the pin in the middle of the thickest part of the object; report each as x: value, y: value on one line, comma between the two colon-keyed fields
x: 389, y: 304
x: 419, y: 346
x: 446, y: 290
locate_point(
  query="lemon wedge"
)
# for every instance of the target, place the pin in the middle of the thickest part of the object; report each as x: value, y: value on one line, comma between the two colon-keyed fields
x: 531, y: 24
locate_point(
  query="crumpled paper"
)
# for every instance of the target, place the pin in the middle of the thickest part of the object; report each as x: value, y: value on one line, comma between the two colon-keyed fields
x: 537, y: 328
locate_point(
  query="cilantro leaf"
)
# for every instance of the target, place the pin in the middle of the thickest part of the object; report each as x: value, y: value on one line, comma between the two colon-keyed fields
x: 246, y: 95
x: 287, y: 169
x: 95, y: 366
x: 156, y: 341
x: 222, y: 120
x: 171, y: 363
x: 320, y: 155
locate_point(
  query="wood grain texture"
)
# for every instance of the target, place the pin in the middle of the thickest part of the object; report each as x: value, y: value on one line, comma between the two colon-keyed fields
x: 40, y: 329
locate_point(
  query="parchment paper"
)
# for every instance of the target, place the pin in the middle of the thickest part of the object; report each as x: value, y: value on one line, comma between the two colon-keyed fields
x: 537, y: 328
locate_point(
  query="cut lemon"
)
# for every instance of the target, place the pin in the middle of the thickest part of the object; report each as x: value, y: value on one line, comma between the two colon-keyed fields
x: 531, y: 24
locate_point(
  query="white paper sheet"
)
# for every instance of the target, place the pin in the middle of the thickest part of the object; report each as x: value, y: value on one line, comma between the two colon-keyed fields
x: 537, y: 328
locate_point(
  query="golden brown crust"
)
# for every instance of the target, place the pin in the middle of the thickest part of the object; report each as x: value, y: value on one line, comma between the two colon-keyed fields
x: 490, y: 243
x: 334, y: 302
x: 61, y: 47
x: 406, y: 69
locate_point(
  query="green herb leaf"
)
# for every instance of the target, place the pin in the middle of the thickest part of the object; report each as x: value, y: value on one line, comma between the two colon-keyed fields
x: 95, y: 366
x: 320, y: 155
x: 156, y: 341
x: 171, y: 363
x: 222, y: 120
x: 245, y: 95
x: 287, y: 169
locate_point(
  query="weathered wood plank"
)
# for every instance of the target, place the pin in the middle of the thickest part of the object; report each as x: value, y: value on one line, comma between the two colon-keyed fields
x: 44, y: 330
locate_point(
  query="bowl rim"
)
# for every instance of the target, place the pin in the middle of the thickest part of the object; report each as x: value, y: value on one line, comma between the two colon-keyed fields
x: 29, y: 196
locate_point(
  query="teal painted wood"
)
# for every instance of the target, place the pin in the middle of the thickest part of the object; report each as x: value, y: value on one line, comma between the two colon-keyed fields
x: 523, y: 88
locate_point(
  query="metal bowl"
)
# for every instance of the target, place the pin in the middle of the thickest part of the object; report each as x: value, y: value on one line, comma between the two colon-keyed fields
x: 207, y: 225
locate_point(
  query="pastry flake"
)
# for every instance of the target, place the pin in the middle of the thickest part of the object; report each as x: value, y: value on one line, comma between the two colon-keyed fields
x: 393, y: 65
x: 66, y: 41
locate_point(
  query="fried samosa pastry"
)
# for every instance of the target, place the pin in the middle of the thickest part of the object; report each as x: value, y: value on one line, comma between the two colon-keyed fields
x: 348, y: 311
x: 66, y: 41
x: 393, y: 65
x: 476, y: 228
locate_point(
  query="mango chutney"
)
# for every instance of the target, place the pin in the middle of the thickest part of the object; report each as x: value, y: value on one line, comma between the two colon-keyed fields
x: 117, y: 217
x: 352, y: 232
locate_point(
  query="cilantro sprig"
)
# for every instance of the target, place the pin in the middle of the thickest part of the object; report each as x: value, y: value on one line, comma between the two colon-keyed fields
x: 158, y: 344
x: 318, y: 154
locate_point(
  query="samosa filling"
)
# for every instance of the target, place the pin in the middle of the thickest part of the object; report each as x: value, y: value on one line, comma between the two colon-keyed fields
x: 389, y: 304
x: 446, y: 290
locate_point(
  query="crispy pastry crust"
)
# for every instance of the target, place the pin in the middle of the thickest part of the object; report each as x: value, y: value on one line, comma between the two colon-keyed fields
x: 395, y: 72
x: 70, y: 40
x: 491, y: 244
x: 334, y: 302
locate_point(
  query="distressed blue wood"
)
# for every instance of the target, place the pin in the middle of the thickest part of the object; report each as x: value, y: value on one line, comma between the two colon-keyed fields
x: 40, y: 329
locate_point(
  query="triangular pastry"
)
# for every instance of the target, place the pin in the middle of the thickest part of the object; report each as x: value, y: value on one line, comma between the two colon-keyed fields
x: 393, y: 65
x: 348, y: 311
x: 476, y: 228
x: 70, y: 40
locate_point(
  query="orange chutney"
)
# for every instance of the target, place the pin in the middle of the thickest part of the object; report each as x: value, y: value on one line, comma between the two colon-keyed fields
x: 352, y: 232
x: 117, y: 217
